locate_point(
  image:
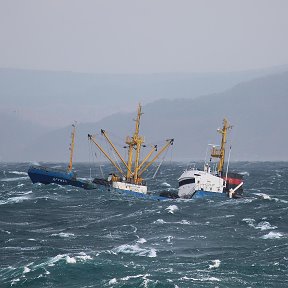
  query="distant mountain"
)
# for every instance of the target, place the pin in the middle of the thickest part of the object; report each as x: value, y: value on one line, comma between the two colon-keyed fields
x: 59, y: 98
x: 257, y: 110
x: 16, y: 135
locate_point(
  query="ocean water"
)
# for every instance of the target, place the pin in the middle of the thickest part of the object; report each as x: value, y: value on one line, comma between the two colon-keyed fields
x: 55, y: 236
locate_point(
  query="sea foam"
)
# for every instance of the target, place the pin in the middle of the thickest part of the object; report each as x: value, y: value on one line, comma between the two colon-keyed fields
x: 141, y: 240
x: 63, y: 235
x: 70, y: 260
x: 136, y: 250
x: 172, y: 208
x: 14, y: 179
x: 272, y: 235
x: 263, y: 225
x: 165, y: 184
x: 216, y: 264
x: 144, y: 276
x: 17, y: 199
x: 18, y: 172
x: 26, y: 270
x: 112, y: 281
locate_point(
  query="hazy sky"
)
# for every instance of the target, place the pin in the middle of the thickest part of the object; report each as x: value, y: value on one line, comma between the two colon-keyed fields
x: 137, y: 36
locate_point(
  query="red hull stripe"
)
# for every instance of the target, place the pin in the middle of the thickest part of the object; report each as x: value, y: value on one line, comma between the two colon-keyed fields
x: 233, y: 181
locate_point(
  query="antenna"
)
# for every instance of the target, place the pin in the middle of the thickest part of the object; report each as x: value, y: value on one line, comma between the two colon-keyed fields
x: 228, y: 163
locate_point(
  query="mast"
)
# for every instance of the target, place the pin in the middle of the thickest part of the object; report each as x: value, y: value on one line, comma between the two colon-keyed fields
x: 71, y: 148
x: 134, y: 142
x: 139, y: 141
x: 220, y: 153
x: 133, y: 165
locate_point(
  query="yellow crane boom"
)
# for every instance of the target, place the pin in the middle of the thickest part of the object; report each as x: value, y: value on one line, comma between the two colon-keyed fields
x: 148, y: 156
x: 169, y: 143
x: 103, y: 132
x: 91, y: 138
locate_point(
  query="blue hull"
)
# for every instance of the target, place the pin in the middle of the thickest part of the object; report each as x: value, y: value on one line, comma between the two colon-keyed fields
x: 196, y: 195
x: 46, y: 175
x: 206, y: 194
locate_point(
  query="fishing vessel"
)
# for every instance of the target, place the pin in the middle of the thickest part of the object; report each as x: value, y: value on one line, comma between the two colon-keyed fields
x: 212, y: 181
x: 128, y: 177
x: 48, y: 175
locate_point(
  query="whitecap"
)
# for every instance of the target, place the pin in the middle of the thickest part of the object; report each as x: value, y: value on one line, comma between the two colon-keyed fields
x: 216, y: 264
x: 263, y: 196
x: 112, y: 281
x: 272, y: 235
x: 264, y: 225
x: 141, y: 240
x: 5, y: 231
x: 83, y: 256
x: 249, y: 221
x: 244, y: 173
x: 135, y: 277
x: 152, y: 253
x: 27, y: 192
x: 14, y: 281
x: 136, y: 250
x: 17, y: 199
x: 14, y: 179
x: 268, y: 197
x: 159, y: 221
x: 18, y: 172
x: 172, y: 208
x: 63, y: 235
x: 26, y: 270
x: 184, y: 222
x: 70, y: 260
x: 165, y: 184
x: 211, y: 279
x: 169, y: 239
x: 55, y: 259
x: 204, y: 279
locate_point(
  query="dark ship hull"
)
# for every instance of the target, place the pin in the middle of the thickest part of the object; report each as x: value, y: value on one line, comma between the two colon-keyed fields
x: 47, y: 175
x: 232, y: 181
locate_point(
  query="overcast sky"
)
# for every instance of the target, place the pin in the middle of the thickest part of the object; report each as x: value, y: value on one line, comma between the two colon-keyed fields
x: 137, y: 36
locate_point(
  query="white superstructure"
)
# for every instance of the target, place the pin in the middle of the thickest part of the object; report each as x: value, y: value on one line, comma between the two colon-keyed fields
x: 130, y: 187
x: 193, y: 180
x: 209, y: 182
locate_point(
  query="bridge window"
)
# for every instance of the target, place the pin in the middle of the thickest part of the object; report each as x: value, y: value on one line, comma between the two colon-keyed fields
x: 186, y: 181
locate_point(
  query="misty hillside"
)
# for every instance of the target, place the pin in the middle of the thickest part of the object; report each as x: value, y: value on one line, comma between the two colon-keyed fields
x: 16, y: 135
x: 54, y: 98
x: 257, y: 110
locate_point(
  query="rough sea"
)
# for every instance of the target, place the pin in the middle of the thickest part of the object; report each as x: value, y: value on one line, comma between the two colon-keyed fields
x: 57, y: 236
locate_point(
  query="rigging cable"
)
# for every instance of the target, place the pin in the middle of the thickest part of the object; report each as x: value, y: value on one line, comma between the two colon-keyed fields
x: 164, y: 156
x: 89, y: 156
